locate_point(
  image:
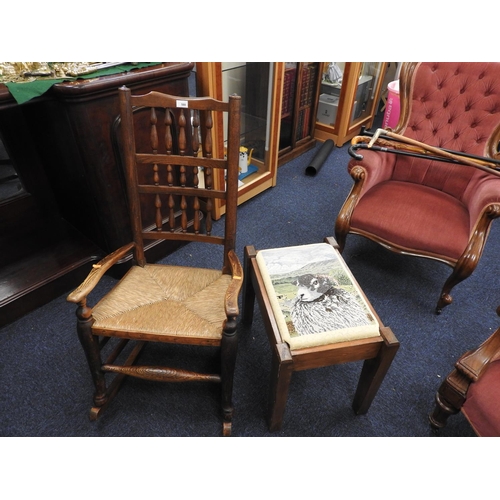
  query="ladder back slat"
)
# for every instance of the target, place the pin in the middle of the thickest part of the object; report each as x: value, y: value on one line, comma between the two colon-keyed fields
x: 175, y: 172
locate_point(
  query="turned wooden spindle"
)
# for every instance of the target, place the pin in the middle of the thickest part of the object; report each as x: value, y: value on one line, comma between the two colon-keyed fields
x: 196, y: 147
x: 153, y: 134
x: 170, y: 173
x: 156, y: 177
x: 207, y: 147
x: 196, y: 132
x: 182, y: 146
x: 182, y: 168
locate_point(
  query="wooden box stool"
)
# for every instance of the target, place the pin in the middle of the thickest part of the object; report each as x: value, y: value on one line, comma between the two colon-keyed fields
x: 372, y: 342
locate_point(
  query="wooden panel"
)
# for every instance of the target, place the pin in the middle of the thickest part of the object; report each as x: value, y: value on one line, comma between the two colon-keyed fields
x: 75, y: 133
x: 75, y: 208
x: 336, y: 353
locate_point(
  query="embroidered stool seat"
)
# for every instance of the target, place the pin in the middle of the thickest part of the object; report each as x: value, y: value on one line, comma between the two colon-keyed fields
x: 324, y: 305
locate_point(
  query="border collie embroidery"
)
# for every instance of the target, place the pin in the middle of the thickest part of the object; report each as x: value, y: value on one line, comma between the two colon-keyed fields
x: 321, y: 305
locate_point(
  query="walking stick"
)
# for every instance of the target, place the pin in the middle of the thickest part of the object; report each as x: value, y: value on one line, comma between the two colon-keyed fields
x: 478, y: 163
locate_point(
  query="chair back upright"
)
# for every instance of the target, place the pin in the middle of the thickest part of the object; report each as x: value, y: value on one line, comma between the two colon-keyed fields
x: 455, y: 106
x: 172, y: 175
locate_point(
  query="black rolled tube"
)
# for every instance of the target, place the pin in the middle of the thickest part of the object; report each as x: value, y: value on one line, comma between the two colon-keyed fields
x: 317, y: 162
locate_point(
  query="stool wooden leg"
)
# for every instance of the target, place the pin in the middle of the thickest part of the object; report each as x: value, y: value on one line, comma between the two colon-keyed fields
x: 281, y: 374
x: 373, y: 372
x: 248, y: 292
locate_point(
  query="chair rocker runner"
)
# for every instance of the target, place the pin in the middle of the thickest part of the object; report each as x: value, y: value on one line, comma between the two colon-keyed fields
x: 166, y: 144
x: 431, y: 187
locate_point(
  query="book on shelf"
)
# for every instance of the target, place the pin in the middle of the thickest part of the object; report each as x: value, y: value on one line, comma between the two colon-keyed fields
x: 288, y: 91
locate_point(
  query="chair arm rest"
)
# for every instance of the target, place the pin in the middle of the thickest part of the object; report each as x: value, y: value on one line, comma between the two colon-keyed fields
x: 97, y: 273
x: 473, y: 363
x: 378, y: 167
x: 483, y: 195
x: 234, y: 288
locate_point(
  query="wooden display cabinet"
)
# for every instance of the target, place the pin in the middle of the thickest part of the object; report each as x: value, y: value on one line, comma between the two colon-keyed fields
x: 301, y: 85
x: 260, y: 85
x: 350, y: 102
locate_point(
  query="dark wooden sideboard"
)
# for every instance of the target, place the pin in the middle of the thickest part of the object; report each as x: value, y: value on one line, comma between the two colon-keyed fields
x: 73, y: 210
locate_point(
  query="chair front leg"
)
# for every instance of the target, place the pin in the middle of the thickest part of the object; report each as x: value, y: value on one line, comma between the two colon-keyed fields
x: 90, y: 344
x: 470, y: 258
x: 229, y: 349
x: 450, y: 397
x: 343, y: 221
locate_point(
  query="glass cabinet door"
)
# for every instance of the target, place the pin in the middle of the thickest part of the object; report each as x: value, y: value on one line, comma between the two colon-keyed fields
x: 349, y: 98
x: 251, y: 81
x: 330, y: 92
x: 258, y: 85
x: 364, y: 99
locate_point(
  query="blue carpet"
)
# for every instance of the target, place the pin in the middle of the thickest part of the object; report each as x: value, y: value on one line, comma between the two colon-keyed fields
x: 46, y: 388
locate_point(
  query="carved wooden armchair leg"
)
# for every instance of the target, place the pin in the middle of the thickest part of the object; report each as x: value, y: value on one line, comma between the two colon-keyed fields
x: 470, y: 258
x: 449, y: 399
x: 460, y: 272
x: 340, y: 237
x: 470, y: 367
x: 343, y: 221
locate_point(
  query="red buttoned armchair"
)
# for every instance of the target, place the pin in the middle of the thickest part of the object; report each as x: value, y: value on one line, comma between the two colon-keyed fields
x: 421, y: 205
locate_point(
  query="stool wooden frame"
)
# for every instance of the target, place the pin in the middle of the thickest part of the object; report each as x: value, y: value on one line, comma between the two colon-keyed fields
x: 377, y: 352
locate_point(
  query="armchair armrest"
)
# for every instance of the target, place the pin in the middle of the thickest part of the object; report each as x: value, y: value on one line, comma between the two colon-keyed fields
x: 378, y: 166
x: 484, y: 194
x: 473, y: 363
x: 97, y: 273
x: 233, y: 291
x: 373, y: 168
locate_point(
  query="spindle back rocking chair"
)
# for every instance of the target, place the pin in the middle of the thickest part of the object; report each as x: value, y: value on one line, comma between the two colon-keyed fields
x: 172, y: 183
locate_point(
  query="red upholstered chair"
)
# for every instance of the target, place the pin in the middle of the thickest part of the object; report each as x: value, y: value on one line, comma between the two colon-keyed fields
x: 473, y: 388
x: 421, y: 206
